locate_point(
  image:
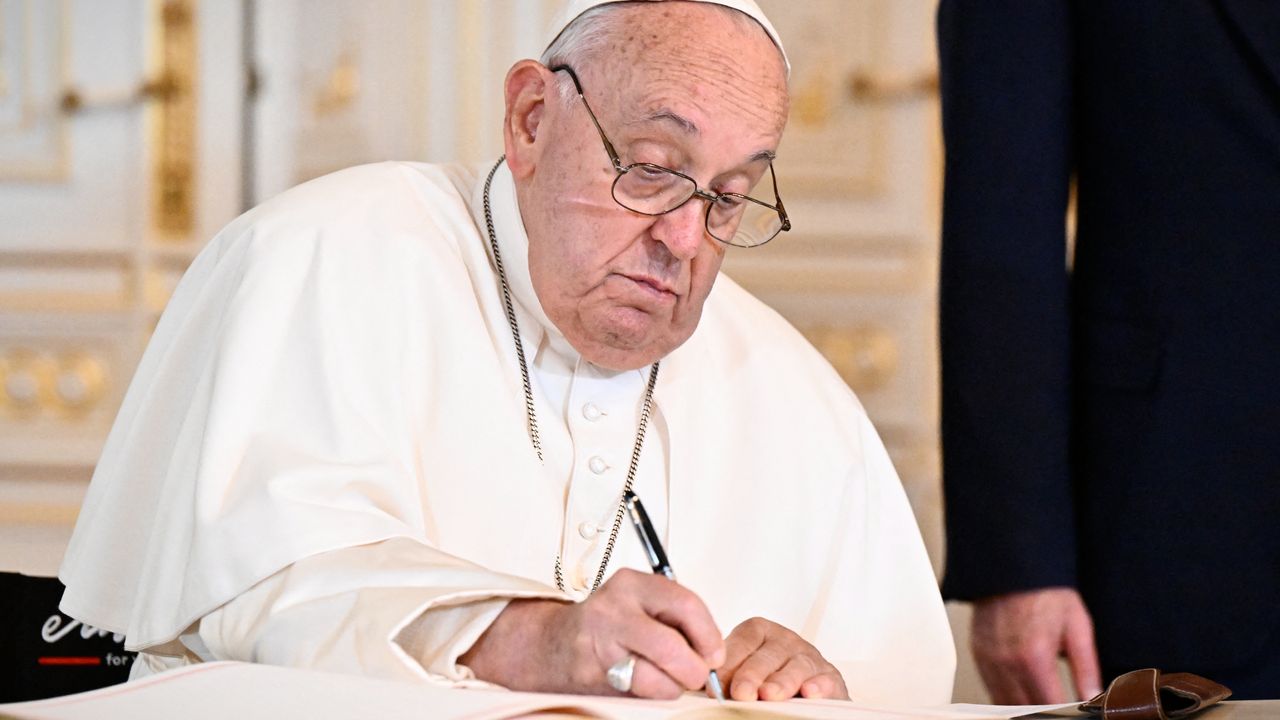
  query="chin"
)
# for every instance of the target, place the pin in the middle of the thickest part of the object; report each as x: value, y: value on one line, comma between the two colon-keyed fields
x: 624, y: 351
x: 627, y: 338
x: 621, y: 361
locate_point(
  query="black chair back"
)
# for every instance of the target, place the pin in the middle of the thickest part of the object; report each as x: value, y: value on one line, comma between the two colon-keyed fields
x: 44, y: 653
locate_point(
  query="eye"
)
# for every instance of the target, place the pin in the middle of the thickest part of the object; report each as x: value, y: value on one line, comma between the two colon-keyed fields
x: 730, y: 202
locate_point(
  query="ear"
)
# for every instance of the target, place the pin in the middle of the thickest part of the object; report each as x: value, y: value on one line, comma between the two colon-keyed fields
x: 529, y: 88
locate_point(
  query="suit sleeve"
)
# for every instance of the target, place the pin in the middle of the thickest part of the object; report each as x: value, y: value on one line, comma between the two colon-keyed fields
x: 1004, y: 315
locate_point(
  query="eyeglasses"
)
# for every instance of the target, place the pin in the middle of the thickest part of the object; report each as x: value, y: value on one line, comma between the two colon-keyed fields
x: 649, y: 189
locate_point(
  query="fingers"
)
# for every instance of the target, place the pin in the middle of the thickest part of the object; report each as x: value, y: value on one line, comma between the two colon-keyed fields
x: 766, y: 661
x: 1004, y: 688
x: 784, y: 683
x: 805, y: 675
x: 1018, y: 664
x: 826, y: 685
x: 1018, y: 638
x: 750, y: 676
x: 681, y: 609
x: 1041, y: 679
x: 667, y: 627
x: 1082, y: 655
x: 1028, y: 678
x: 648, y: 681
x: 740, y: 645
x: 668, y: 651
x: 675, y: 643
x: 551, y: 646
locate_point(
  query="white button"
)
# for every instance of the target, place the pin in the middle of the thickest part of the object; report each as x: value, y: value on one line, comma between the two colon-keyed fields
x: 597, y: 465
x: 588, y: 530
x: 591, y: 412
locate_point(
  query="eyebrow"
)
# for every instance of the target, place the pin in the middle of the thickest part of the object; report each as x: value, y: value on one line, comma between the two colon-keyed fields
x: 684, y: 124
x: 688, y: 127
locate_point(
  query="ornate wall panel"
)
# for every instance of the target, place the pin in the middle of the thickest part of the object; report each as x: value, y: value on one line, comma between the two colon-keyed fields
x: 858, y: 169
x: 867, y: 305
x: 89, y: 253
x: 61, y: 380
x: 415, y: 80
x: 73, y: 211
x: 472, y: 45
x: 173, y: 84
x: 341, y: 83
x: 833, y: 147
x: 32, y: 66
x: 62, y: 375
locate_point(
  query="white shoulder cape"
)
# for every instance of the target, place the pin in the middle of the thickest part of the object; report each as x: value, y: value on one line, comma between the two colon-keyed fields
x: 335, y: 369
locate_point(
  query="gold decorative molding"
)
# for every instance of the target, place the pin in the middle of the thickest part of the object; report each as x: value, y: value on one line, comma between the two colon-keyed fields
x: 78, y: 383
x: 880, y: 87
x: 341, y: 88
x: 834, y: 147
x: 175, y: 121
x: 811, y: 104
x: 38, y: 514
x: 69, y: 384
x: 74, y: 102
x: 866, y: 356
x: 24, y: 375
x: 66, y: 281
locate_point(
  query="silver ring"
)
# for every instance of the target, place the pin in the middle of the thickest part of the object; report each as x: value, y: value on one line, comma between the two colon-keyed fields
x: 620, y: 674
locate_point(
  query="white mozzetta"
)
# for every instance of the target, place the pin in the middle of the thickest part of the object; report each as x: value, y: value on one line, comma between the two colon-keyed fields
x: 336, y: 371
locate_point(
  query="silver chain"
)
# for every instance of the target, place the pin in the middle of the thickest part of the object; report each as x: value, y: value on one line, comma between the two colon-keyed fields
x: 645, y: 411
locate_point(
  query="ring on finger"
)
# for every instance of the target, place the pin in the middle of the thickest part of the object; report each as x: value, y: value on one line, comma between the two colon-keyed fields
x: 620, y: 674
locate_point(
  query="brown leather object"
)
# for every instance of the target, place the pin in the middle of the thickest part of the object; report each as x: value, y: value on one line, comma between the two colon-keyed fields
x: 1152, y: 695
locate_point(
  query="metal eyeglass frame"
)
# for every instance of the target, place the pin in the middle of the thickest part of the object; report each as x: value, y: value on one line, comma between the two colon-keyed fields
x: 710, y: 195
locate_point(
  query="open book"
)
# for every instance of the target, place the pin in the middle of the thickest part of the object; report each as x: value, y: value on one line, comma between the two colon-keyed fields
x: 244, y: 691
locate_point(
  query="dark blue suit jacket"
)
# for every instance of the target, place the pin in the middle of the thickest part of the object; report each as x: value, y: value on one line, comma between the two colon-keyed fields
x: 1116, y: 427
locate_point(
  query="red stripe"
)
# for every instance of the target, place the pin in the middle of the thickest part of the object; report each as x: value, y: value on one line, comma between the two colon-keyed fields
x: 69, y: 661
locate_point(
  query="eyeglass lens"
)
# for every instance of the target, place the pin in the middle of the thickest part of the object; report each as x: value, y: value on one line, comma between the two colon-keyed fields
x: 731, y: 218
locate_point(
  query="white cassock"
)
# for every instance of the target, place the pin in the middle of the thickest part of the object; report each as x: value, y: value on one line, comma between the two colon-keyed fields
x: 323, y: 460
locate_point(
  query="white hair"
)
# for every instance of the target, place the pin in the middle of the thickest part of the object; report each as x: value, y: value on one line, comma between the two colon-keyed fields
x: 582, y: 38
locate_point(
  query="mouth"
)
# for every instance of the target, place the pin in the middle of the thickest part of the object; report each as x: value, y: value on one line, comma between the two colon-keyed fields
x: 652, y: 286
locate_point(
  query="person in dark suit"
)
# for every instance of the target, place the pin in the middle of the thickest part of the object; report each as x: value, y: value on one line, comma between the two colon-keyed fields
x: 1111, y: 426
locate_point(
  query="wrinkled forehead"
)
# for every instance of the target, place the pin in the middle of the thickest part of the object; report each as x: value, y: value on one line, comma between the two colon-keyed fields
x: 570, y: 10
x: 716, y: 84
x: 701, y: 67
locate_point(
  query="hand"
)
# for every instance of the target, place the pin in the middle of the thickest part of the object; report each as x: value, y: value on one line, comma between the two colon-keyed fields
x: 766, y: 661
x: 552, y: 646
x: 1017, y: 639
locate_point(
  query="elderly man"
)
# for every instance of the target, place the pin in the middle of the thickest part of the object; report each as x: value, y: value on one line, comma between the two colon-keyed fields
x: 385, y: 424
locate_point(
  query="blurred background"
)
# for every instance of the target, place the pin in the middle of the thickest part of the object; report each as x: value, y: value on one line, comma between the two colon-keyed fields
x: 132, y: 130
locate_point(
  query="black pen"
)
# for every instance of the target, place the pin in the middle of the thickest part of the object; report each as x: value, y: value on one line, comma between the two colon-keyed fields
x: 658, y: 561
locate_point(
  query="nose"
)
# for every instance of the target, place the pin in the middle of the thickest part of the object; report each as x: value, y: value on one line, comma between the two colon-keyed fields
x: 683, y: 230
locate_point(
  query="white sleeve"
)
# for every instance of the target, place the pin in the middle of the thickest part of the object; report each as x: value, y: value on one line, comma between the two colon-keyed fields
x: 884, y: 609
x: 396, y: 609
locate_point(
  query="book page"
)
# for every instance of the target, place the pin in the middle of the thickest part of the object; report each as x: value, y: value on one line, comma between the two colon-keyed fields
x: 246, y: 691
